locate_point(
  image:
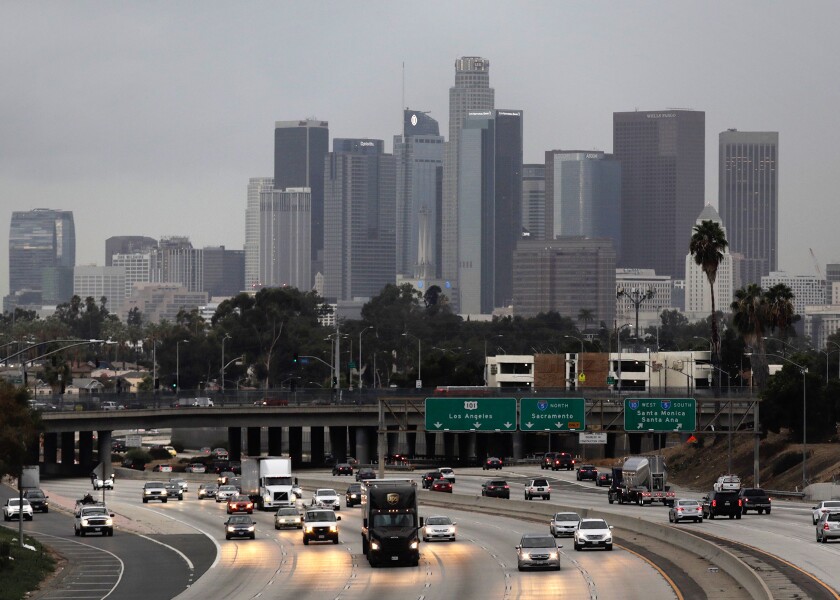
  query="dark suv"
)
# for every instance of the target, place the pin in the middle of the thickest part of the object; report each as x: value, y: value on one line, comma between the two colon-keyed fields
x: 587, y: 472
x: 725, y: 503
x: 495, y: 488
x: 37, y: 500
x: 563, y: 460
x: 753, y: 499
x: 548, y: 460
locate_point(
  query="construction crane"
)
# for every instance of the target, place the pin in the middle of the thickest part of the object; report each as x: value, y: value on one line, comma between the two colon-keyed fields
x: 816, y: 264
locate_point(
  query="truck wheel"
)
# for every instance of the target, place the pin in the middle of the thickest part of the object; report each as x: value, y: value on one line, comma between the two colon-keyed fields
x: 335, y: 541
x: 732, y: 516
x: 75, y: 531
x: 767, y: 510
x: 82, y: 532
x: 305, y: 541
x: 609, y: 547
x: 145, y: 500
x: 610, y: 499
x: 738, y: 517
x: 711, y: 516
x: 364, y: 546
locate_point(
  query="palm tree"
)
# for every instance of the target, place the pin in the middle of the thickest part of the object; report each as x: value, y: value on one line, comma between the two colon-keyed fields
x: 750, y: 315
x: 587, y: 316
x: 707, y: 246
x: 780, y: 307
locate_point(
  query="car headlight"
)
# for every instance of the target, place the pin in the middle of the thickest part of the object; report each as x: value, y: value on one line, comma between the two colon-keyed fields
x: 230, y: 529
x: 146, y: 492
x: 84, y: 522
x: 251, y: 528
x: 374, y: 545
x: 308, y: 529
x: 333, y: 529
x: 609, y: 539
x: 267, y: 497
x: 526, y: 556
x: 414, y: 545
x: 352, y: 495
x: 552, y: 555
x: 109, y: 522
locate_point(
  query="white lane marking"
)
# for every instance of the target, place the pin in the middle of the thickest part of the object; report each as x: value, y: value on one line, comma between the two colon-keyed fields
x: 198, y: 529
x: 174, y: 549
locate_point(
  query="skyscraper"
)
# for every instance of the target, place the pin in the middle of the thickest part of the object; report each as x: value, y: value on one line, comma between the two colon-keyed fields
x: 662, y: 157
x: 224, y: 271
x: 127, y: 244
x: 471, y: 92
x: 748, y: 184
x: 489, y: 208
x: 359, y: 219
x: 583, y: 195
x: 418, y: 153
x: 42, y: 253
x: 257, y: 186
x: 299, y: 151
x: 533, y: 201
x: 285, y: 225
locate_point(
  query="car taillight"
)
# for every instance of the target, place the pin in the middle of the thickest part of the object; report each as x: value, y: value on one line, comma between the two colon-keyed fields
x: 740, y: 503
x: 679, y: 510
x: 507, y: 487
x: 826, y: 527
x: 714, y: 502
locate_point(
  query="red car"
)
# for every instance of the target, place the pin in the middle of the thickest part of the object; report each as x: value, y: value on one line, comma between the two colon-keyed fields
x: 442, y: 485
x: 240, y: 504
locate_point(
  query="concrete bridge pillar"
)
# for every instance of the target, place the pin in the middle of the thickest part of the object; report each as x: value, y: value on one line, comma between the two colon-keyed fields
x: 275, y: 441
x: 104, y: 440
x: 50, y: 448
x: 316, y: 444
x: 338, y: 442
x: 362, y: 446
x: 431, y: 438
x: 449, y: 447
x: 68, y: 450
x: 296, y: 446
x: 235, y: 443
x: 466, y: 447
x: 411, y: 440
x: 393, y: 440
x: 252, y: 442
x: 86, y: 450
x: 518, y: 445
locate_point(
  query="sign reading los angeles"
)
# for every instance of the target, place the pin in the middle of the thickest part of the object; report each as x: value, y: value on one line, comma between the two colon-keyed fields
x: 470, y: 414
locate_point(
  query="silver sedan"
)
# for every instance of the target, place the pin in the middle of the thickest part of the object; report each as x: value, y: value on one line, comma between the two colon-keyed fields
x: 828, y: 527
x: 685, y: 509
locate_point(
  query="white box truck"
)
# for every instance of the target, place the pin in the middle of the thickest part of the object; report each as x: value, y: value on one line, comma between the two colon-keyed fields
x: 268, y: 481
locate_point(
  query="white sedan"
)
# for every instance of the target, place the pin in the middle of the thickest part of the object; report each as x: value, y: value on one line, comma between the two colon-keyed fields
x: 826, y: 506
x: 11, y: 510
x: 683, y: 509
x: 593, y: 533
x: 438, y: 528
x: 326, y: 498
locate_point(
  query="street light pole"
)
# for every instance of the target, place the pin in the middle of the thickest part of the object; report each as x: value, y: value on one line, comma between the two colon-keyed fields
x: 636, y: 297
x: 227, y: 336
x: 419, y: 357
x: 618, y: 348
x: 360, y: 353
x: 178, y: 366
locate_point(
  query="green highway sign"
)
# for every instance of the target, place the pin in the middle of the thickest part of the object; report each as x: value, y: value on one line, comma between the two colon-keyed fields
x: 552, y: 414
x: 660, y: 414
x: 470, y: 414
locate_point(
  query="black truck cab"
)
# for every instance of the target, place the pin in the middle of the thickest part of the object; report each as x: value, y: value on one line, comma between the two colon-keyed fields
x: 390, y: 525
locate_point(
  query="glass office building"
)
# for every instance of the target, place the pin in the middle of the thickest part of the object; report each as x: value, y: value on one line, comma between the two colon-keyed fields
x: 42, y: 253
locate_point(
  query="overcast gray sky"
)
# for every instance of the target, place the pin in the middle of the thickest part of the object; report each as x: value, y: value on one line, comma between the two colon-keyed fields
x: 148, y: 118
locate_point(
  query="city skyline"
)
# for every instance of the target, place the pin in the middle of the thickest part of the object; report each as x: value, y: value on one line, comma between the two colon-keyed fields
x: 143, y: 139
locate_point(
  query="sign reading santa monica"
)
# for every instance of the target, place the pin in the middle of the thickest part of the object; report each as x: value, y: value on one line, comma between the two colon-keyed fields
x: 660, y: 414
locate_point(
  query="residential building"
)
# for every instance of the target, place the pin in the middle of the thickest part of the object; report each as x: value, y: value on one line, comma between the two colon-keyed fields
x: 127, y: 244
x: 42, y: 254
x: 257, y: 186
x: 583, y: 195
x: 285, y: 248
x: 698, y: 293
x: 748, y: 197
x: 419, y: 154
x: 471, y: 92
x: 162, y: 301
x: 565, y: 275
x: 662, y: 156
x: 359, y: 219
x: 300, y: 148
x: 533, y: 201
x: 101, y: 282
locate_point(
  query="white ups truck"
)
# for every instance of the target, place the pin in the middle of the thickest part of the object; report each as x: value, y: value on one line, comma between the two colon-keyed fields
x: 268, y: 481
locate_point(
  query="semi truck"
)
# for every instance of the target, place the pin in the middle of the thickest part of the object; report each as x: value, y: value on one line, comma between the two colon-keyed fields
x: 268, y: 481
x: 390, y: 523
x: 641, y: 480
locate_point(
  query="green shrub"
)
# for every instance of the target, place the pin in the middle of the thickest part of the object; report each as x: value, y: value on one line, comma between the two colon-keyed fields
x: 139, y: 454
x: 159, y: 454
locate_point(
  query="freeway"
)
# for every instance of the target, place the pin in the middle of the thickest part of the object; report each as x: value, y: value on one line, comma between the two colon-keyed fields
x: 480, y: 564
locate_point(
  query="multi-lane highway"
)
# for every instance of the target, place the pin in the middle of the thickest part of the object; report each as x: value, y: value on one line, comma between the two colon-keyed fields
x: 181, y: 551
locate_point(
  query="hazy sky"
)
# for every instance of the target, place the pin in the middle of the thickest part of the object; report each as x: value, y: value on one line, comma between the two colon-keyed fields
x: 148, y: 118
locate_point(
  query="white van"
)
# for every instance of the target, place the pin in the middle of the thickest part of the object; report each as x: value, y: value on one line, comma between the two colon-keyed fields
x: 203, y: 402
x: 110, y: 405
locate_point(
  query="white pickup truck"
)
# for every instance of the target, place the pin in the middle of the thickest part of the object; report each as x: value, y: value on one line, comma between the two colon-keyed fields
x: 727, y: 482
x: 93, y: 518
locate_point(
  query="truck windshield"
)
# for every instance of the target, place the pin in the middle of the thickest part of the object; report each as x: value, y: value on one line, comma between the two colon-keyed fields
x: 278, y: 480
x: 393, y: 520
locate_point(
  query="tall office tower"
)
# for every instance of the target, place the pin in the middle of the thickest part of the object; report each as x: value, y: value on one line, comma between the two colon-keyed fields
x: 832, y: 277
x: 698, y: 295
x: 299, y: 151
x: 662, y: 185
x: 257, y: 186
x: 139, y: 268
x: 565, y: 275
x: 471, y: 92
x: 359, y: 219
x: 748, y: 196
x: 224, y: 271
x: 418, y: 153
x: 42, y: 253
x: 583, y: 195
x: 179, y: 262
x: 285, y: 226
x: 489, y: 208
x: 98, y: 282
x: 127, y: 244
x: 533, y: 201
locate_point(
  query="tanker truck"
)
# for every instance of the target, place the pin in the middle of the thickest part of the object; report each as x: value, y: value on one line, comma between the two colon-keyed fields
x: 641, y: 480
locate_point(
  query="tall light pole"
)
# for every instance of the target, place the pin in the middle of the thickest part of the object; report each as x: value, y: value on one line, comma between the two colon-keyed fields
x: 838, y: 360
x: 618, y: 349
x: 419, y: 357
x: 178, y: 365
x: 222, y: 378
x: 636, y: 297
x: 360, y: 353
x: 804, y: 370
